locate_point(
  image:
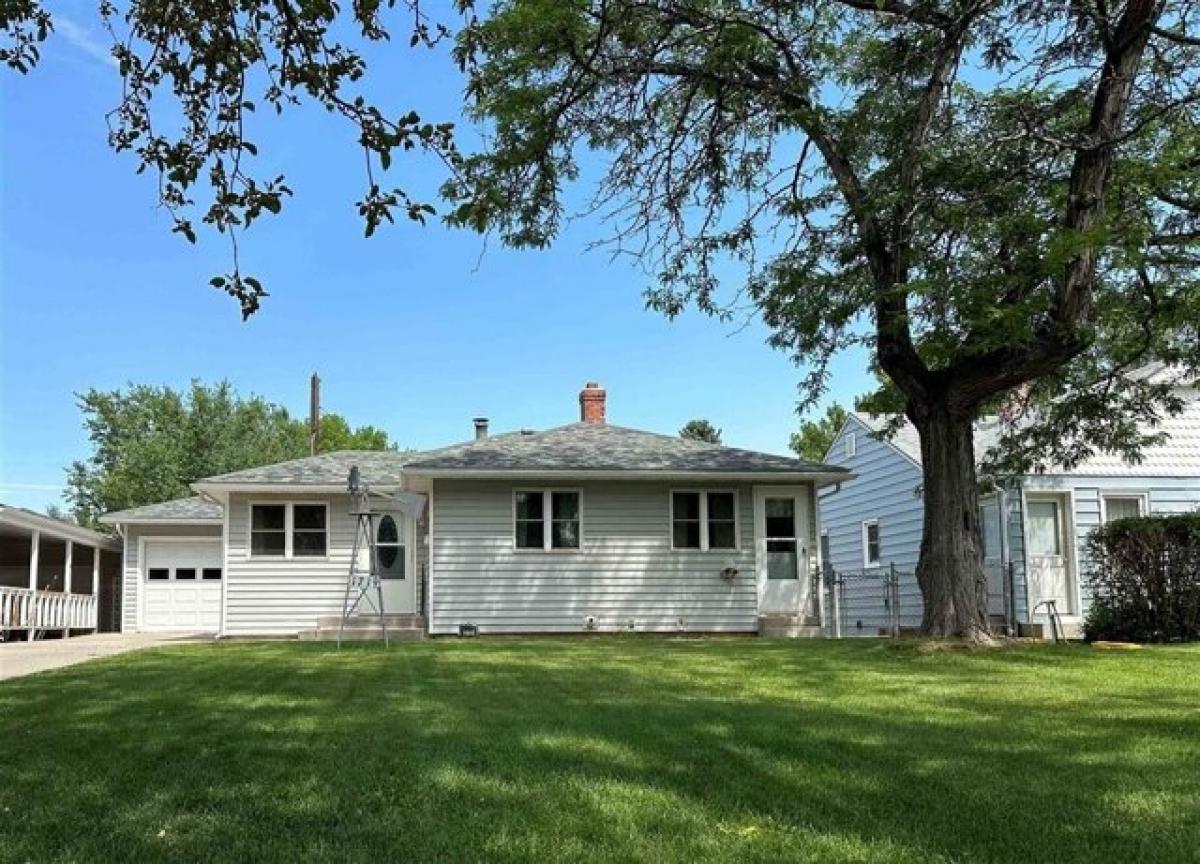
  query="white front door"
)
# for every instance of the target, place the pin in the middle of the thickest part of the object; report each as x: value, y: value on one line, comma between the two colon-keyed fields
x: 1048, y: 553
x: 781, y: 549
x: 182, y: 580
x: 393, y: 545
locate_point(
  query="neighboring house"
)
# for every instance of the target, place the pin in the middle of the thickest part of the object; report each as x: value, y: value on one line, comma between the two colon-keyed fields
x: 582, y: 527
x: 55, y: 577
x: 1037, y: 524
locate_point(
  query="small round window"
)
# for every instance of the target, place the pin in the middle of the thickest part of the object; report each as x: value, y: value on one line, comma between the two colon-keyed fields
x: 388, y: 542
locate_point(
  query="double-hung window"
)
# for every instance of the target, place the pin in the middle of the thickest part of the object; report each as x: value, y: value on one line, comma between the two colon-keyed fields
x: 289, y: 530
x: 703, y: 520
x: 870, y: 543
x: 547, y: 519
x: 1122, y: 506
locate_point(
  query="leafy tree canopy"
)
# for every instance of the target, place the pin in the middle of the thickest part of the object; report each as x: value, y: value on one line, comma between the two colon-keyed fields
x: 996, y: 198
x: 815, y: 437
x: 149, y: 443
x: 701, y: 430
x: 197, y: 78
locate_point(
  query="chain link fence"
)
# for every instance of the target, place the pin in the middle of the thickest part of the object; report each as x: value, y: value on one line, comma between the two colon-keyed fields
x: 878, y: 601
x: 883, y: 601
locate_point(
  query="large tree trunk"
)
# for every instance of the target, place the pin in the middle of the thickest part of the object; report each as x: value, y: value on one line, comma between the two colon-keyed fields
x: 950, y: 570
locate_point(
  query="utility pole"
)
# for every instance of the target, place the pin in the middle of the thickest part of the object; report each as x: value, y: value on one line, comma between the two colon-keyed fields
x: 314, y: 415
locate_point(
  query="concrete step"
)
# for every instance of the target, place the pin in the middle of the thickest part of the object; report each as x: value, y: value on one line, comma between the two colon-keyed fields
x: 360, y: 634
x: 398, y: 620
x: 788, y: 627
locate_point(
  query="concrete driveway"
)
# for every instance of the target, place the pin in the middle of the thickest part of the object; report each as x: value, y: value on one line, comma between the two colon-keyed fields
x: 25, y: 658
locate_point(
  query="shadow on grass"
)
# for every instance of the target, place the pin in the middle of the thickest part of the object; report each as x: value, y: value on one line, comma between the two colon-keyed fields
x: 612, y: 749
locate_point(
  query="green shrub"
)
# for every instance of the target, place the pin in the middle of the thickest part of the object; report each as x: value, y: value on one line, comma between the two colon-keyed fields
x: 1144, y: 576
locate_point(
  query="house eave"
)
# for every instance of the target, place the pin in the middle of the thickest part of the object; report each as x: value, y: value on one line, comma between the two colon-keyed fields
x: 161, y: 521
x: 283, y: 488
x: 820, y: 477
x: 55, y: 527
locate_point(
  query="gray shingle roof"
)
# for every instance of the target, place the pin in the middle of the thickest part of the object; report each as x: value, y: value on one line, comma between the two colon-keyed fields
x: 194, y: 509
x: 577, y: 447
x: 329, y: 469
x: 603, y: 447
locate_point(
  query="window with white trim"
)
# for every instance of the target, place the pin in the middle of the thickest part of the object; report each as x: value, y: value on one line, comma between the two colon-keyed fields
x: 704, y: 520
x: 1122, y: 506
x: 309, y: 530
x: 870, y: 543
x: 851, y: 444
x: 547, y: 519
x: 292, y: 530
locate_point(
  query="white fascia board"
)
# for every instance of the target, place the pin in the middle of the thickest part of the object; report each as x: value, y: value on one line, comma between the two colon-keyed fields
x: 181, y: 522
x: 56, y: 528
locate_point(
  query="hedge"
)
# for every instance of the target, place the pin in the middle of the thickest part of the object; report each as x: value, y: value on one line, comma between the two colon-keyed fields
x: 1144, y: 576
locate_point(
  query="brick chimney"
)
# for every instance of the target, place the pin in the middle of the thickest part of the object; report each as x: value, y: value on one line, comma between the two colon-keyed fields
x: 591, y: 403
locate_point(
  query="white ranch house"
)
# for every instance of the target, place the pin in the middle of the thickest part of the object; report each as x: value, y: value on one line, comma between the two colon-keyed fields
x: 1033, y: 528
x: 583, y: 527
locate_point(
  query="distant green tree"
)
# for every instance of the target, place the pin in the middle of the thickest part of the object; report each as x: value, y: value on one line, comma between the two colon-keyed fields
x: 56, y: 512
x: 701, y: 430
x: 815, y: 437
x: 150, y: 443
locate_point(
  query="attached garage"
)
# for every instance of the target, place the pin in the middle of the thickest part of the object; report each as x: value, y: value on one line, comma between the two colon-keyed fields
x: 173, y: 566
x: 182, y: 584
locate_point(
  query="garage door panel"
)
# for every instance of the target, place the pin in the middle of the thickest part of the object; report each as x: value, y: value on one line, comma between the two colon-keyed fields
x: 182, y: 604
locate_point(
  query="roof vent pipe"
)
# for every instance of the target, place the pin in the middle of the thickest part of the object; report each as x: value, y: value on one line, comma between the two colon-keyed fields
x: 481, y: 428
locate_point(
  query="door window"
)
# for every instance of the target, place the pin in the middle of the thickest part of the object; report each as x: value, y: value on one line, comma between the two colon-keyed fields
x: 390, y: 549
x: 782, y: 560
x: 1043, y: 525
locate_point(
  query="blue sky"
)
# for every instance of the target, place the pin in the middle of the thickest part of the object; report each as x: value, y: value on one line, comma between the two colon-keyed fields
x: 416, y: 330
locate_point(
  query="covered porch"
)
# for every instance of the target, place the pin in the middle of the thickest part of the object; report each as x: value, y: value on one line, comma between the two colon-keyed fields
x: 56, y: 579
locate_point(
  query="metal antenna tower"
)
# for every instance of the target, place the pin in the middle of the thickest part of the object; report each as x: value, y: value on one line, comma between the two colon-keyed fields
x: 363, y: 588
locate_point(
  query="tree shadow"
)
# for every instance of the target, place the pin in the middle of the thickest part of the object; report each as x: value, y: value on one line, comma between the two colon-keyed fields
x: 603, y: 749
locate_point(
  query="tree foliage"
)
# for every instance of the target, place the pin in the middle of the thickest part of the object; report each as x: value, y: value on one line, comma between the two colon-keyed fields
x: 701, y: 430
x: 196, y: 76
x: 815, y: 437
x: 149, y: 443
x: 995, y: 197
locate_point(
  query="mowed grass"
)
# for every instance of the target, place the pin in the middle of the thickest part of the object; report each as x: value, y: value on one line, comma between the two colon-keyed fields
x: 597, y: 749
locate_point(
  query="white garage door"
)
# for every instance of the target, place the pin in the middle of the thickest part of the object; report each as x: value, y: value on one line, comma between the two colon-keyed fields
x: 183, y: 585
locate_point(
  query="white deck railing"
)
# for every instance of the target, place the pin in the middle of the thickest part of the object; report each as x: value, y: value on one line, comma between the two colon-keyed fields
x: 23, y: 609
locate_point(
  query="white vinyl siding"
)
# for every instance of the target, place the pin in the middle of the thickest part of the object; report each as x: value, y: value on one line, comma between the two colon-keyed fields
x: 625, y: 571
x: 282, y: 595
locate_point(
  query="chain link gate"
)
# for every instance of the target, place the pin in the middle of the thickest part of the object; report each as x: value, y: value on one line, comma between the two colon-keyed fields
x: 878, y: 601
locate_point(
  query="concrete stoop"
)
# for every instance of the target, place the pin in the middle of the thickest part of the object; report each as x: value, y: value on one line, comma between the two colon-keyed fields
x: 788, y: 627
x: 362, y: 628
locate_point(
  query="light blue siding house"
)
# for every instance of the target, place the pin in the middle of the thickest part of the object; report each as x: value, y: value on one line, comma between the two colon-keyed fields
x: 1034, y: 529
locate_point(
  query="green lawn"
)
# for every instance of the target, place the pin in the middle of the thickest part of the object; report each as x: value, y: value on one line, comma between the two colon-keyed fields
x: 605, y: 749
